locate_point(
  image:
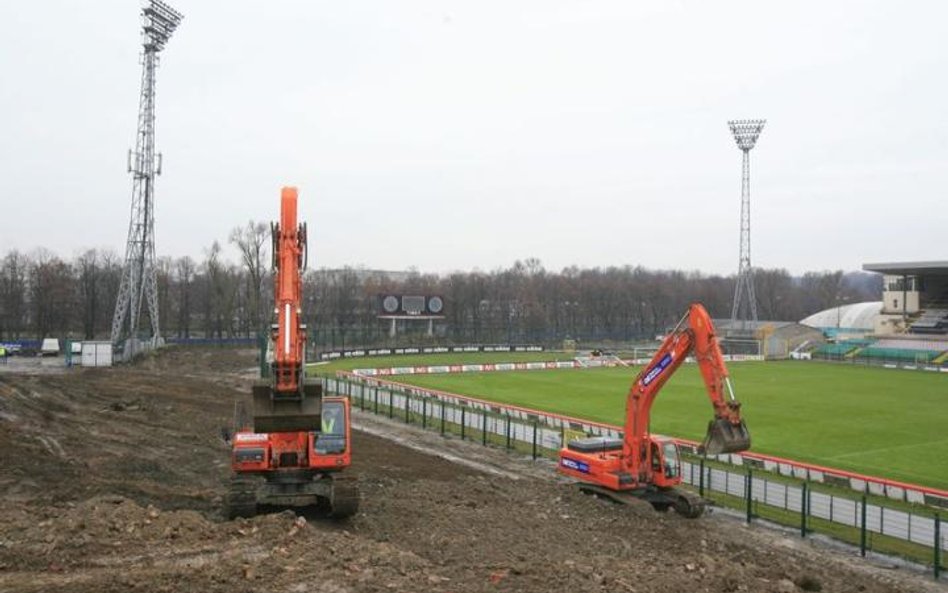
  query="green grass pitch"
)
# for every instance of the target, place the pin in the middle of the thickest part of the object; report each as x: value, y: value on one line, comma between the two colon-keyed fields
x: 883, y: 422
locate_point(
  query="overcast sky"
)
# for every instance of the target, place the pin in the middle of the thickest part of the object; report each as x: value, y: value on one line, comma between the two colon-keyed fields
x: 450, y: 135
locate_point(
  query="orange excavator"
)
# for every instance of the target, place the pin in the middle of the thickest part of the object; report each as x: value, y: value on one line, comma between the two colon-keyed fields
x: 298, y: 445
x: 644, y: 466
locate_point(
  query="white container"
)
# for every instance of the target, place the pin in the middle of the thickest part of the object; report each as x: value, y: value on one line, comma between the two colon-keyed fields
x: 96, y: 354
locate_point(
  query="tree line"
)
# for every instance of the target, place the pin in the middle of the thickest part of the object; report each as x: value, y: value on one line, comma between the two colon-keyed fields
x: 44, y: 295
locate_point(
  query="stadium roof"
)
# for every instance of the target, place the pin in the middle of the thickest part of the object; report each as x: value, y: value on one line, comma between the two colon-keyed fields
x: 916, y: 268
x: 855, y: 316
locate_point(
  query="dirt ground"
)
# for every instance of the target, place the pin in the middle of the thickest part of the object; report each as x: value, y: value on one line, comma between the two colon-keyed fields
x: 112, y: 480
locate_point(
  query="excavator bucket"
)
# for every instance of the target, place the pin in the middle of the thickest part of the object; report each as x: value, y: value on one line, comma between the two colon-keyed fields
x: 725, y: 437
x: 272, y: 413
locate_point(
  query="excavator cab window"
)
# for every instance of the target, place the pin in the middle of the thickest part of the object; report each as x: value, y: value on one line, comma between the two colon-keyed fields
x: 656, y: 458
x: 332, y: 438
x: 672, y: 464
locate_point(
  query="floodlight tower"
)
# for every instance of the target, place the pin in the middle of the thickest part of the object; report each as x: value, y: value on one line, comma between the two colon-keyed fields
x: 138, y: 274
x: 745, y: 133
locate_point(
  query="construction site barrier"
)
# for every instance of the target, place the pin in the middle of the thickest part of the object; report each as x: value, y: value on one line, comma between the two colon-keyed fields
x: 867, y: 520
x: 490, y: 367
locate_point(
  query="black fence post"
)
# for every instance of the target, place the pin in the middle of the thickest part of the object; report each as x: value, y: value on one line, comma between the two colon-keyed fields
x: 937, y: 554
x: 424, y: 412
x: 535, y: 440
x: 701, y: 479
x: 507, y: 431
x: 484, y: 428
x: 391, y: 403
x: 804, y: 495
x: 376, y: 400
x: 748, y: 489
x: 362, y: 399
x: 862, y: 529
x: 442, y: 417
x: 463, y: 420
x: 407, y: 408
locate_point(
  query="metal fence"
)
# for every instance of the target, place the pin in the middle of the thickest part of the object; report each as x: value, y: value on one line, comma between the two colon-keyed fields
x: 870, y: 522
x: 922, y: 363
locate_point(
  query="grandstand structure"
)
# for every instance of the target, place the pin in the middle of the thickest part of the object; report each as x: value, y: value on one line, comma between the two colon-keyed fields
x: 914, y: 296
x: 909, y: 326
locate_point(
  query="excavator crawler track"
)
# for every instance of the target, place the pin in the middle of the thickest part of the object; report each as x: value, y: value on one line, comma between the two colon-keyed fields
x: 344, y: 497
x: 685, y: 503
x: 689, y: 504
x: 241, y: 497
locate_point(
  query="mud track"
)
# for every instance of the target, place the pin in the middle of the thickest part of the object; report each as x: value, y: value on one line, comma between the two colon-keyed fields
x: 112, y: 480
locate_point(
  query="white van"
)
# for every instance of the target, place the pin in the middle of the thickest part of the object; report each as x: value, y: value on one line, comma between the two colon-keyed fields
x: 50, y: 347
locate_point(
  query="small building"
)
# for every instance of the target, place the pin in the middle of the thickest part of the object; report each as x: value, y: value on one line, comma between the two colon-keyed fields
x: 773, y: 339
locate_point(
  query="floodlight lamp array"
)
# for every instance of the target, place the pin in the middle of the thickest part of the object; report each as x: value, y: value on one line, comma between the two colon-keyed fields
x: 158, y: 23
x: 746, y: 131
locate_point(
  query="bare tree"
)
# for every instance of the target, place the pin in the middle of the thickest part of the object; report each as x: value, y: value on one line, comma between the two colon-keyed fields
x: 42, y: 295
x: 13, y: 294
x: 251, y: 240
x: 52, y: 290
x: 184, y: 270
x: 88, y: 269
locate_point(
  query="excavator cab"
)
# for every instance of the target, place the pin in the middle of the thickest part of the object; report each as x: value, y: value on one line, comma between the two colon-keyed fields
x: 666, y: 463
x: 332, y: 437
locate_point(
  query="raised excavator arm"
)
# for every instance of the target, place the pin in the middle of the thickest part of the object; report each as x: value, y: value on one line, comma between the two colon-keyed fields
x: 647, y: 466
x: 695, y: 335
x: 287, y: 402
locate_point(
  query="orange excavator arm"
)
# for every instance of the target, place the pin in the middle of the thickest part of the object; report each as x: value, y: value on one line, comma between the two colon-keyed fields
x: 694, y: 335
x: 288, y: 401
x: 289, y: 247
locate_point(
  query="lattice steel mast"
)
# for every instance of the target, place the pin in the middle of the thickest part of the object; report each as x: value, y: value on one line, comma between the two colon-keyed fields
x: 138, y: 275
x: 745, y: 133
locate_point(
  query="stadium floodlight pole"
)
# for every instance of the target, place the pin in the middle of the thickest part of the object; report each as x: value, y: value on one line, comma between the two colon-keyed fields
x: 139, y: 281
x: 746, y: 132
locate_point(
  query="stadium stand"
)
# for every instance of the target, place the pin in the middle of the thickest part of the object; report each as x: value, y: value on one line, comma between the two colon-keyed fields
x: 914, y: 297
x: 886, y: 350
x: 844, y: 349
x: 899, y: 354
x: 834, y: 350
x: 931, y: 321
x: 900, y: 349
x: 906, y: 344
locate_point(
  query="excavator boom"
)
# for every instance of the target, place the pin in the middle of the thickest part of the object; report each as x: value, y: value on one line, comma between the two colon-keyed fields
x: 287, y: 401
x: 693, y: 336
